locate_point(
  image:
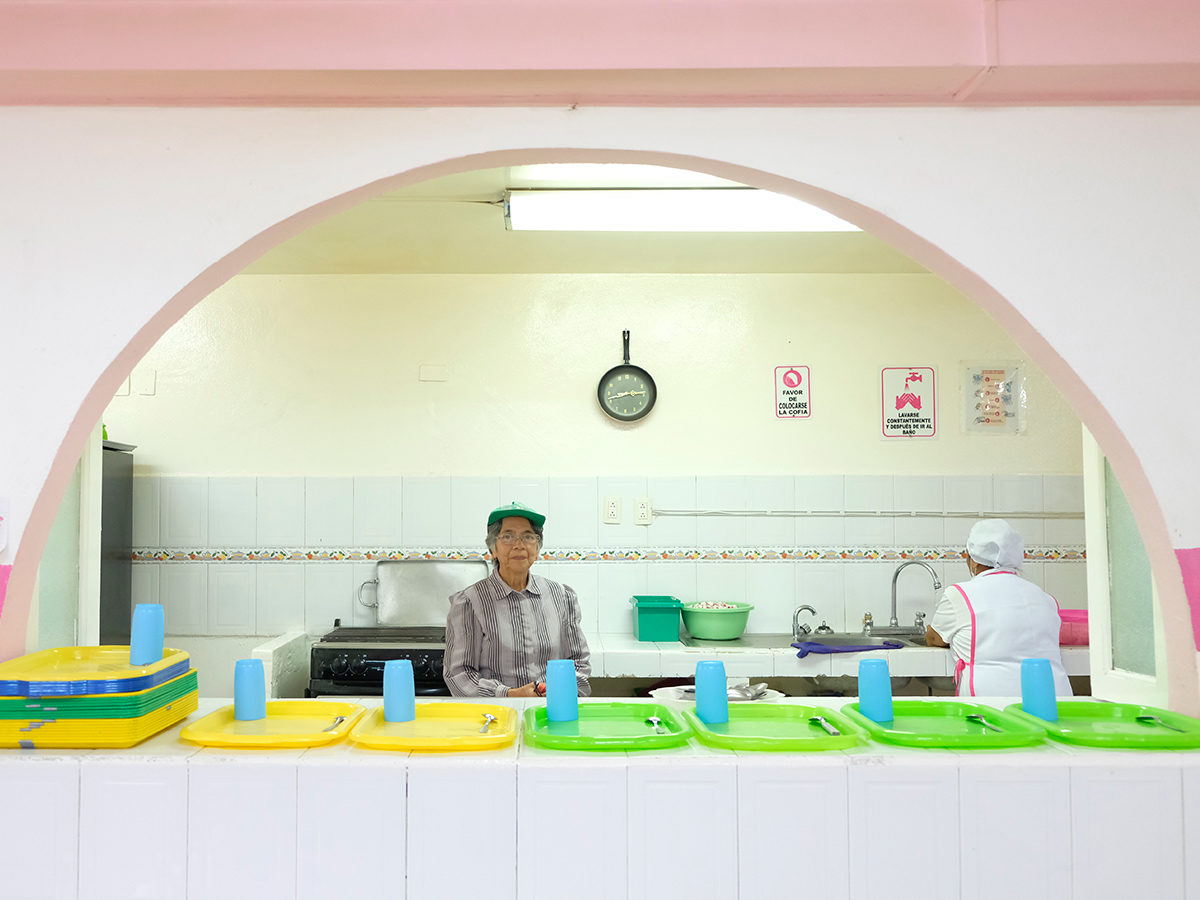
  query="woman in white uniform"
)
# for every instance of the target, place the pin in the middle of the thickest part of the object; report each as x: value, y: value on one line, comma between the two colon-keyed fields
x: 997, y: 619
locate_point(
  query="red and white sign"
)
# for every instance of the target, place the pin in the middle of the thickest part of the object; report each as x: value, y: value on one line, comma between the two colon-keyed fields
x: 909, y: 401
x: 792, y: 392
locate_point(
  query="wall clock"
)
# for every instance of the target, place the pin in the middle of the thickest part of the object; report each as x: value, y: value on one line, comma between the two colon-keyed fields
x: 626, y: 392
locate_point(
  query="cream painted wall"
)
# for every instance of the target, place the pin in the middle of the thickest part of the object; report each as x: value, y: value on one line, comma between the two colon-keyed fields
x: 318, y: 375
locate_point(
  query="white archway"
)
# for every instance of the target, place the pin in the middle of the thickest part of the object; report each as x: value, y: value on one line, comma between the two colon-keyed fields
x: 846, y: 175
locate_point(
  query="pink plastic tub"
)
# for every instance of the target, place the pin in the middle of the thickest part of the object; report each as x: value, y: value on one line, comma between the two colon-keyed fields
x: 1074, y: 630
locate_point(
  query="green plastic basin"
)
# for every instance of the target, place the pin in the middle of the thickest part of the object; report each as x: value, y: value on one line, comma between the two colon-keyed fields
x: 716, y: 624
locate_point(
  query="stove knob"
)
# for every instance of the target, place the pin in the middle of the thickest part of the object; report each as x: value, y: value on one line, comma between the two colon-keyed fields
x: 339, y: 665
x: 357, y: 665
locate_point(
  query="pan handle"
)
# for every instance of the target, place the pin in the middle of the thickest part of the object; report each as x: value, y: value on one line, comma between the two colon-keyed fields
x: 374, y: 581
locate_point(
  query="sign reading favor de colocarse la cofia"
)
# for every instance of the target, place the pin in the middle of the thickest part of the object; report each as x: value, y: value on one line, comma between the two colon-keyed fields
x: 792, y: 392
x: 908, y: 397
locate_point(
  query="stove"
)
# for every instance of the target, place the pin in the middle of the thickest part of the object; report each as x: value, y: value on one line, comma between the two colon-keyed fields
x: 349, y: 662
x: 411, y: 601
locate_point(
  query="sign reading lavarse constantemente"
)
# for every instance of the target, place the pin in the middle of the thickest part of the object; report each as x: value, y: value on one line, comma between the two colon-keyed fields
x: 909, y: 399
x: 792, y: 392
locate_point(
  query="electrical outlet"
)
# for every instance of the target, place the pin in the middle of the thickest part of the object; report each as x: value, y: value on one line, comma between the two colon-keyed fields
x: 610, y: 513
x: 643, y: 513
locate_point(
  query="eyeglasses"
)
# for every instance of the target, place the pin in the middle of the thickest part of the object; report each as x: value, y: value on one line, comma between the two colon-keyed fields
x: 508, y: 539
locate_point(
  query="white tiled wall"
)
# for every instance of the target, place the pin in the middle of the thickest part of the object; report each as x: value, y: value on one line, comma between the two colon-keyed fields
x: 268, y: 598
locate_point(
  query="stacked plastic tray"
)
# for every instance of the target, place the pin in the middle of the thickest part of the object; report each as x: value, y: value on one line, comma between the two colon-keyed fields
x: 91, y: 697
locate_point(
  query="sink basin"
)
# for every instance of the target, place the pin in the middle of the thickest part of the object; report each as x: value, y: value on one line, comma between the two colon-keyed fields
x: 860, y: 640
x: 783, y: 640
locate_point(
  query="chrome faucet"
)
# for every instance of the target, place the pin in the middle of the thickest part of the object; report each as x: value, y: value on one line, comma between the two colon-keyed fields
x: 798, y: 630
x: 937, y: 585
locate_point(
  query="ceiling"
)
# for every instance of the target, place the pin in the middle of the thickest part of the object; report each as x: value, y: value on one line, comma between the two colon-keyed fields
x: 455, y: 224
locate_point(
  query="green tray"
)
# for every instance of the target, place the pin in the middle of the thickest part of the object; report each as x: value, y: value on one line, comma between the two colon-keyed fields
x: 762, y: 726
x: 99, y: 706
x: 1093, y: 724
x: 943, y: 723
x: 607, y: 726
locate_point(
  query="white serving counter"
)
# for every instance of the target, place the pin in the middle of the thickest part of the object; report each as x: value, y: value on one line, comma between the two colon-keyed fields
x: 623, y: 656
x: 170, y: 820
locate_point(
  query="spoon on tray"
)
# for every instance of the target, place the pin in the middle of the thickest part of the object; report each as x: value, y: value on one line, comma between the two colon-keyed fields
x: 978, y: 719
x: 656, y: 723
x: 336, y: 722
x: 488, y: 719
x: 820, y: 720
x: 1155, y: 720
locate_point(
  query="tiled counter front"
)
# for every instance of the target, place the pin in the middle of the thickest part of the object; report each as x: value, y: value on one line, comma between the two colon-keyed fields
x: 169, y: 820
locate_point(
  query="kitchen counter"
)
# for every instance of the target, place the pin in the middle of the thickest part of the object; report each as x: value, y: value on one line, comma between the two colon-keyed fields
x: 623, y: 656
x: 168, y: 819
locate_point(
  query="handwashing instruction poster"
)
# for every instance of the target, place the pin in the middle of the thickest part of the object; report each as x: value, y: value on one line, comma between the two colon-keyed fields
x: 792, y: 392
x: 909, y: 400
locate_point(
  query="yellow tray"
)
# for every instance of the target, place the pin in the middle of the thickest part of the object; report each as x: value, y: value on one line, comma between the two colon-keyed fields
x: 439, y: 726
x: 288, y: 723
x: 75, y: 671
x: 94, y: 733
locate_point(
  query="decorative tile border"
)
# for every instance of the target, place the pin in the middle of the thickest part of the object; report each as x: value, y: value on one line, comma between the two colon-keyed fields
x: 660, y: 554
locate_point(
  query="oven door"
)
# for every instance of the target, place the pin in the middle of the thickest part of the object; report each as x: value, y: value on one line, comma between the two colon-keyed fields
x: 357, y: 670
x: 318, y: 687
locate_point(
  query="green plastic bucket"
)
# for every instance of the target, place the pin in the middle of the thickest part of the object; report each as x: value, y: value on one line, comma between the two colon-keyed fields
x: 655, y: 617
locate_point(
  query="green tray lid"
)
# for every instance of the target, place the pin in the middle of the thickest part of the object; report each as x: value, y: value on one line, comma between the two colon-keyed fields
x: 776, y: 727
x: 944, y: 724
x: 1129, y: 726
x: 608, y: 726
x: 651, y: 601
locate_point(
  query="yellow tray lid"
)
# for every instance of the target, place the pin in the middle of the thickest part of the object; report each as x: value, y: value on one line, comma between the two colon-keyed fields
x: 288, y: 723
x: 105, y: 663
x: 440, y: 727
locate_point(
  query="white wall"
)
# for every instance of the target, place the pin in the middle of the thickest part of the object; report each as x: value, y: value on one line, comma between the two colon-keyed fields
x: 316, y: 375
x: 1074, y: 227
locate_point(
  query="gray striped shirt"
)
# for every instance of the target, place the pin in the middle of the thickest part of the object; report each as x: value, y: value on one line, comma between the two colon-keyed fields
x: 498, y: 638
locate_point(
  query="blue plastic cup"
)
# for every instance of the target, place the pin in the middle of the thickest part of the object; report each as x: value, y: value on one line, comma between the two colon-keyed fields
x: 712, y: 692
x: 875, y: 690
x: 249, y: 690
x: 399, y: 692
x: 146, y: 634
x: 1037, y: 689
x: 562, y: 691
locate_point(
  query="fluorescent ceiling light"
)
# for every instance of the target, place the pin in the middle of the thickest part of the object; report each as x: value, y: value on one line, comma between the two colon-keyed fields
x: 695, y: 209
x: 610, y: 175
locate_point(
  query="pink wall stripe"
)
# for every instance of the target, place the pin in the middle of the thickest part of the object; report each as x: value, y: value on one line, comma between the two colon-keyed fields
x: 1189, y: 564
x: 5, y: 571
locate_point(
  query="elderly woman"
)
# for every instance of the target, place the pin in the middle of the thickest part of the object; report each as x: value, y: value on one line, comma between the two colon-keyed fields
x: 502, y: 631
x: 996, y: 619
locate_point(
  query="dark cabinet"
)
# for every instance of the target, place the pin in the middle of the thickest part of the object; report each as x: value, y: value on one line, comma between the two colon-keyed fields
x: 116, y: 543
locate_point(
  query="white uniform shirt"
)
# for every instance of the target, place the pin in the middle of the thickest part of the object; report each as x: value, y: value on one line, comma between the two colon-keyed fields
x: 991, y: 623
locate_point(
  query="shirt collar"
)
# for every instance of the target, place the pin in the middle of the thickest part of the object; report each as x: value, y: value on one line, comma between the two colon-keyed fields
x: 535, y: 585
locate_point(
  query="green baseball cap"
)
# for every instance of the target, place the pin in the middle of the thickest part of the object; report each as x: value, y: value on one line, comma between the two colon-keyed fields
x: 516, y: 509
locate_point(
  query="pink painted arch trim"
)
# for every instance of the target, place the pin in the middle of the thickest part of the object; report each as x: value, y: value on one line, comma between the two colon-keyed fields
x: 1189, y: 565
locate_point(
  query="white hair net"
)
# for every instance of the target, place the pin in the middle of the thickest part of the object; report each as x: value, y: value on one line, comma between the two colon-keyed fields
x: 992, y: 542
